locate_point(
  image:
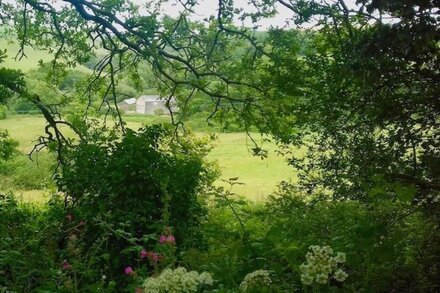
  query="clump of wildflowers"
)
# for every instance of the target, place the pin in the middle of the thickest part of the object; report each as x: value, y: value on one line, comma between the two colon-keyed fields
x: 322, y: 265
x: 170, y: 239
x: 430, y: 199
x: 177, y: 281
x: 152, y: 256
x: 340, y: 275
x: 258, y: 279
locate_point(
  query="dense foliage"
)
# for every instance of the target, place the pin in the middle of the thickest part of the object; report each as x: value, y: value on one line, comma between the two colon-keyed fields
x: 364, y: 100
x: 28, y: 244
x: 146, y: 184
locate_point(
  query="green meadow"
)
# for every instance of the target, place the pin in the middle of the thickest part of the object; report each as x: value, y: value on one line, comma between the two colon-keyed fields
x: 232, y: 152
x: 29, y: 61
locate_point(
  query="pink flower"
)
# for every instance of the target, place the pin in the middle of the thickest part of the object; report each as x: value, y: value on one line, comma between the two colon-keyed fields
x: 143, y: 253
x: 162, y: 239
x: 66, y: 265
x: 154, y: 257
x: 128, y: 271
x: 171, y: 239
x: 167, y: 239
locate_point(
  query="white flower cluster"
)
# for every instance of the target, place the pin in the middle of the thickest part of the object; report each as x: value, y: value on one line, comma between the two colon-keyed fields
x: 177, y: 281
x: 321, y: 265
x: 257, y: 279
x: 430, y: 199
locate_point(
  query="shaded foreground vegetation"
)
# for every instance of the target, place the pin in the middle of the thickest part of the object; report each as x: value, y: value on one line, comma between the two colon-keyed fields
x: 134, y: 221
x: 120, y: 221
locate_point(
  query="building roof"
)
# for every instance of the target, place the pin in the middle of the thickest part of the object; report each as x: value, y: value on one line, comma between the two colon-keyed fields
x: 149, y: 98
x: 153, y: 98
x: 130, y: 101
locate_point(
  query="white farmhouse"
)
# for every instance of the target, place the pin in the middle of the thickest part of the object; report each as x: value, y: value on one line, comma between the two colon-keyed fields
x: 152, y: 104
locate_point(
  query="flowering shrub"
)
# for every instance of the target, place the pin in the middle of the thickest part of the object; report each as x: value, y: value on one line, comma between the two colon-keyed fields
x: 321, y: 266
x: 177, y: 281
x: 163, y: 253
x: 152, y: 256
x: 256, y: 280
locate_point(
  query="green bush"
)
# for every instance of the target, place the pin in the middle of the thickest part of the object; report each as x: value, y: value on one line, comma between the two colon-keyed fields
x: 234, y: 233
x: 23, y: 106
x: 32, y: 175
x: 3, y: 112
x: 123, y: 193
x: 7, y: 146
x: 22, y: 173
x: 389, y: 245
x: 29, y: 261
x: 381, y: 239
x: 127, y: 190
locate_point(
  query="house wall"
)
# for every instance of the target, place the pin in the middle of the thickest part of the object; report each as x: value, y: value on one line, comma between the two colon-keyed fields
x: 140, y: 107
x: 151, y: 107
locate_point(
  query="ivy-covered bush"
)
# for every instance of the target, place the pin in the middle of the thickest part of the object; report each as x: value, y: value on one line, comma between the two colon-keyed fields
x: 122, y: 192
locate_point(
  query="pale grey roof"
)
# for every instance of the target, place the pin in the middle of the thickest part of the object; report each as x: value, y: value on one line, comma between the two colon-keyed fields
x: 149, y: 98
x: 130, y: 101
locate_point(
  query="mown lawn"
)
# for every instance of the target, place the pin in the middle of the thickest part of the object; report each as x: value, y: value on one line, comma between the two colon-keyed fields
x: 232, y: 152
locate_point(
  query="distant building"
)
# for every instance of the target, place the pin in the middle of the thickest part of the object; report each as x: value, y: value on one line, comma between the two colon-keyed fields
x: 147, y: 105
x: 153, y: 105
x: 128, y: 105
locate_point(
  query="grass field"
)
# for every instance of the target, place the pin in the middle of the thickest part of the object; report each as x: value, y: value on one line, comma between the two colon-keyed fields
x: 260, y: 177
x: 30, y: 61
x: 232, y: 153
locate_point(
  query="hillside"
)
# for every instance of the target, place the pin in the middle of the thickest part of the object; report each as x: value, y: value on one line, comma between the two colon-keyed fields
x: 26, y: 63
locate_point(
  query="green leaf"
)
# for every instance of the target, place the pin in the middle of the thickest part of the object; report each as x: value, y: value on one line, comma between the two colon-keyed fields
x: 405, y: 193
x: 274, y: 234
x: 377, y: 191
x: 105, y: 256
x: 132, y: 240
